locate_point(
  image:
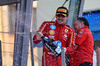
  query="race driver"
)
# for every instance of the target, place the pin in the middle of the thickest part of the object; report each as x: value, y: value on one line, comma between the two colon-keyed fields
x: 63, y: 35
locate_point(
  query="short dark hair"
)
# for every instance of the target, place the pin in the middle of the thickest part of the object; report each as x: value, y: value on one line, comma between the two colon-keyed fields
x: 84, y: 20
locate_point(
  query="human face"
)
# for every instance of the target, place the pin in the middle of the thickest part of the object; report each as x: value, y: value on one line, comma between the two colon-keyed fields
x: 77, y: 25
x: 61, y: 19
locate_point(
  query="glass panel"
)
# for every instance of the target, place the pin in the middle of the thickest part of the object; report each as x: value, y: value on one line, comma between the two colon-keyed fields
x: 7, y: 28
x: 73, y: 11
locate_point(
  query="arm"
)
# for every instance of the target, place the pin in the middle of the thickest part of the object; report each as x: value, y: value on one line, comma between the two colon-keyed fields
x: 71, y: 43
x: 80, y: 38
x: 42, y: 30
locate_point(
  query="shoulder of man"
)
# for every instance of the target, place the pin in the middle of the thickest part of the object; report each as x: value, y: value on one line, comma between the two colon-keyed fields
x: 70, y: 28
x: 87, y: 31
x: 83, y: 31
x: 48, y: 22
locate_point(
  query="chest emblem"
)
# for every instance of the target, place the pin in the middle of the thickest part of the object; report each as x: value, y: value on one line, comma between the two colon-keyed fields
x: 66, y: 30
x: 53, y: 27
x: 65, y: 36
x: 52, y: 32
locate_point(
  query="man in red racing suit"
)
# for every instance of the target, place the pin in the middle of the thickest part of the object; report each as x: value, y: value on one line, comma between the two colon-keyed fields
x: 60, y: 32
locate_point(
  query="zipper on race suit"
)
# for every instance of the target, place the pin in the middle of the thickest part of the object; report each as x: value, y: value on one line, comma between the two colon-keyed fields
x: 59, y: 33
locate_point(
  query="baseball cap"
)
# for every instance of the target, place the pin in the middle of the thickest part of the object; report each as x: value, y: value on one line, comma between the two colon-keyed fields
x: 62, y: 10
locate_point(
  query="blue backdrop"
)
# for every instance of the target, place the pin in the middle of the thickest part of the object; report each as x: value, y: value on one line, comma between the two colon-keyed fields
x: 94, y: 22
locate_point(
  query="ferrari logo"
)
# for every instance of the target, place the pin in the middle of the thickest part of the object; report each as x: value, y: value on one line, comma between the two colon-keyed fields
x: 66, y: 30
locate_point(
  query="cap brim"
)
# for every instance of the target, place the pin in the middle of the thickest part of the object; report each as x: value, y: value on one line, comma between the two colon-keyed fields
x: 61, y: 14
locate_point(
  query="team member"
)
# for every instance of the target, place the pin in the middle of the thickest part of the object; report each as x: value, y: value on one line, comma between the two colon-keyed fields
x: 83, y: 55
x: 62, y: 34
x: 97, y: 53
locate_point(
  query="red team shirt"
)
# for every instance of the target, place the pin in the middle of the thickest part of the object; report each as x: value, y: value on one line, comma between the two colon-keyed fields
x: 84, y: 53
x: 62, y: 33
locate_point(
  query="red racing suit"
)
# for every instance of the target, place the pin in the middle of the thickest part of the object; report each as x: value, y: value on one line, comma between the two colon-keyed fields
x: 84, y: 53
x: 64, y: 33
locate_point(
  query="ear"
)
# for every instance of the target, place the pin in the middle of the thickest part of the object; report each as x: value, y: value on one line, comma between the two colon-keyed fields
x: 67, y: 17
x: 82, y: 23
